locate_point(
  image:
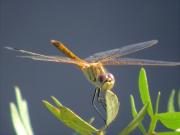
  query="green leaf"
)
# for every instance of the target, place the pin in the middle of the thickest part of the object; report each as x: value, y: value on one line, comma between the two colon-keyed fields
x: 91, y: 120
x: 133, y: 125
x: 144, y: 91
x: 134, y: 114
x: 152, y: 125
x: 157, y: 102
x: 56, y: 102
x: 69, y: 118
x: 23, y: 111
x: 168, y: 133
x: 20, y: 115
x: 171, y: 102
x: 112, y: 106
x: 153, y: 122
x: 17, y: 123
x: 170, y: 120
x: 179, y: 99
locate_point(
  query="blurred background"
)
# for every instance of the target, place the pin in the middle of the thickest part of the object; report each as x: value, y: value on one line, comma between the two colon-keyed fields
x: 85, y: 27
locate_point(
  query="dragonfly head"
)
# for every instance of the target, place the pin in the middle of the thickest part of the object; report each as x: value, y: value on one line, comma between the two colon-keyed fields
x: 106, y: 81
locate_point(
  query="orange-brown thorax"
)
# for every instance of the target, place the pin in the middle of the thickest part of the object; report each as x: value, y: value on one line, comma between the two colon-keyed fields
x: 98, y: 76
x: 94, y: 72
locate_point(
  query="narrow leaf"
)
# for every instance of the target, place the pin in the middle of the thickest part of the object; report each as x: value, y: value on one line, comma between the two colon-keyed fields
x: 157, y: 102
x: 91, y: 120
x: 168, y: 133
x: 133, y: 125
x: 22, y: 107
x: 56, y: 112
x: 170, y: 120
x: 18, y: 125
x: 134, y: 114
x: 69, y: 118
x: 112, y: 106
x: 171, y: 102
x: 144, y: 91
x: 57, y: 102
x: 179, y: 99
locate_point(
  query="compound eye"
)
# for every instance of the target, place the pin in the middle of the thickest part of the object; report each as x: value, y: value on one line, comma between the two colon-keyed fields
x: 109, y: 75
x: 101, y: 78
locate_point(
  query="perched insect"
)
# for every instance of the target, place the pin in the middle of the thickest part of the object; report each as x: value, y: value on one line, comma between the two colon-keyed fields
x: 93, y: 66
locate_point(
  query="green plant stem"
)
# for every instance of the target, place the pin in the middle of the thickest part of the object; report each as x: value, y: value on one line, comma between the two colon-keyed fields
x: 135, y: 122
x: 171, y: 102
x: 153, y: 118
x: 152, y: 125
x: 168, y: 133
x: 157, y: 102
x: 179, y: 100
x: 134, y: 114
x: 101, y: 133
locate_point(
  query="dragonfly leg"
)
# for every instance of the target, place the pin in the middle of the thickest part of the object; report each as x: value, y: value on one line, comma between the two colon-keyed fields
x: 101, y: 100
x: 96, y: 95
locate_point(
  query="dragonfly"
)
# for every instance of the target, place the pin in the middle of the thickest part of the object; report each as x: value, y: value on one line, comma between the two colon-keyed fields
x: 93, y: 66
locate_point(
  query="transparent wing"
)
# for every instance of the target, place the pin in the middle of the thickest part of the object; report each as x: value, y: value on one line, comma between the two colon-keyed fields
x: 102, y: 56
x: 141, y: 62
x: 41, y: 57
x: 56, y: 59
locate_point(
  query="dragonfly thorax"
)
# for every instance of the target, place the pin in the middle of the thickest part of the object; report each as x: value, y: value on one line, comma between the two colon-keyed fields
x: 98, y: 76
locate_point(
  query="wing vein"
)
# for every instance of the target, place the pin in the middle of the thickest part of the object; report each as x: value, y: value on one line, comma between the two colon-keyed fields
x: 110, y: 54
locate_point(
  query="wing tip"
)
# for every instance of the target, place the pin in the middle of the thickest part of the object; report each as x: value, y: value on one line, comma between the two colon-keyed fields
x: 155, y: 41
x: 12, y: 48
x: 9, y: 48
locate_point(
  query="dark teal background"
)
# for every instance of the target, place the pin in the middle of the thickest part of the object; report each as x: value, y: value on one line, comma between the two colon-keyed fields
x: 85, y: 27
